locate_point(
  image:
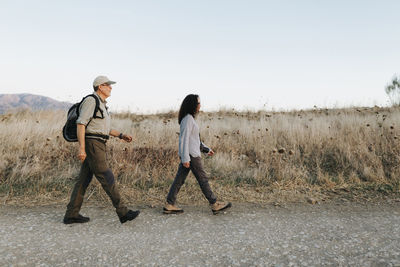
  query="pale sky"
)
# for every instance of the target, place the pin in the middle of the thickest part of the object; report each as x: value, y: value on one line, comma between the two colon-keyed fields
x: 249, y: 54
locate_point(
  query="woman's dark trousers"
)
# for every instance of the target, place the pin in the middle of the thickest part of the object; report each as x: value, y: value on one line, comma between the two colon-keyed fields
x: 197, y: 169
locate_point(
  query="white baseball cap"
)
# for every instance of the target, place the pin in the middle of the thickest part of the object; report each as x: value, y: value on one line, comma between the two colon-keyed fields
x: 101, y: 80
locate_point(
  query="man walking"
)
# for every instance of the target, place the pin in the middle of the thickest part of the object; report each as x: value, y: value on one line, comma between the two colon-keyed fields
x: 93, y: 131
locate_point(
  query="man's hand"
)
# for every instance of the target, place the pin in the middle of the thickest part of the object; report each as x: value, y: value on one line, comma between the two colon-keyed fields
x: 82, y: 154
x: 186, y: 164
x: 127, y: 138
x: 80, y: 132
x: 210, y: 153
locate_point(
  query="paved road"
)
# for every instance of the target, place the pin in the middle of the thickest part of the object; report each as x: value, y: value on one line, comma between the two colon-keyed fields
x: 248, y: 235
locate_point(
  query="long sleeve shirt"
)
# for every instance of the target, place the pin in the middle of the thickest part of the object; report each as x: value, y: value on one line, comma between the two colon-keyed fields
x: 189, y: 140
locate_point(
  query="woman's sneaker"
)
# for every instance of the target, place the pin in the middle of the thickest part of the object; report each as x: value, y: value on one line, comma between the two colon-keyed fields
x: 220, y: 206
x: 171, y: 209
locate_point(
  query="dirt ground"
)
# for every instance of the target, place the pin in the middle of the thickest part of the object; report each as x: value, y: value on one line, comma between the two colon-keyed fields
x: 334, y: 234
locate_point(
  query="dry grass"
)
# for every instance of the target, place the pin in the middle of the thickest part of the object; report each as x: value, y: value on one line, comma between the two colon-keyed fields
x: 260, y: 157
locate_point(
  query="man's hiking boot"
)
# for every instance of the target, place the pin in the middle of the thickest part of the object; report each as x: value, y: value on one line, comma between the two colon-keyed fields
x: 77, y: 219
x: 129, y: 216
x: 171, y: 209
x: 220, y: 206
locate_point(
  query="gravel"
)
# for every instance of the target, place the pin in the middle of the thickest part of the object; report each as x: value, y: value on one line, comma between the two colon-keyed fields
x: 336, y: 234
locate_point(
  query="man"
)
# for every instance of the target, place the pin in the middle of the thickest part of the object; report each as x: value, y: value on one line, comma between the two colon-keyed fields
x: 93, y: 133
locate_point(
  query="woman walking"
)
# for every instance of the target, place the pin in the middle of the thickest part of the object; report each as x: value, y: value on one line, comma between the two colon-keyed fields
x: 190, y: 148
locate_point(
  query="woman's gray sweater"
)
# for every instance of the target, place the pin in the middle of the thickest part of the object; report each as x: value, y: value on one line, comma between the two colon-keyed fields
x: 189, y: 140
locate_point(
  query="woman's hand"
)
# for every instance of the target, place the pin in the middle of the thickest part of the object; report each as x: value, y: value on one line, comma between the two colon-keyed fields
x: 210, y: 153
x: 186, y: 164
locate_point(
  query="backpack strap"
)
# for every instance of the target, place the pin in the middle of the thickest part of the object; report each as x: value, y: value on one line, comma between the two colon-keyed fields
x: 96, y: 108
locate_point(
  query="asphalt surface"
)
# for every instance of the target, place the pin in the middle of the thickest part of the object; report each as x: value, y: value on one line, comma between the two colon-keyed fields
x: 339, y: 234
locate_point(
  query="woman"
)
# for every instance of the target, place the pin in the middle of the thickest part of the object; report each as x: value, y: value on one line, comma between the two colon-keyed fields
x: 190, y: 148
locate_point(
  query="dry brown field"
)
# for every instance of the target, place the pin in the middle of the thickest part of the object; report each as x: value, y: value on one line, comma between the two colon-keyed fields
x: 261, y: 157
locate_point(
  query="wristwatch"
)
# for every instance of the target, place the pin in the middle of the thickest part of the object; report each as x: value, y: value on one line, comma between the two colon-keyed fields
x: 120, y: 135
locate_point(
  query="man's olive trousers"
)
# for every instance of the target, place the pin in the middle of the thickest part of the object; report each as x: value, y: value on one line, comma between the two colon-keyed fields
x: 95, y: 164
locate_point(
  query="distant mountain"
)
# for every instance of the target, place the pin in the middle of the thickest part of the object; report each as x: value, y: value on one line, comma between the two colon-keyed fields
x: 27, y: 101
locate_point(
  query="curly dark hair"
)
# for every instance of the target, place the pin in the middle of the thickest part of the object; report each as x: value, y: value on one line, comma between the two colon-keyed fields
x: 188, y: 106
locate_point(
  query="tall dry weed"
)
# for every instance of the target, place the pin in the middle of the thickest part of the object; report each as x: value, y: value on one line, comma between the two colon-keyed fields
x: 260, y: 156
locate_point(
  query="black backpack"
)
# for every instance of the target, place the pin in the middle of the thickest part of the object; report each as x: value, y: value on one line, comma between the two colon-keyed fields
x: 69, y: 129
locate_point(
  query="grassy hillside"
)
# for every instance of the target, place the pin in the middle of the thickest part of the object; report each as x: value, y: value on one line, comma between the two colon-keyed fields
x: 260, y: 157
x: 15, y: 102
